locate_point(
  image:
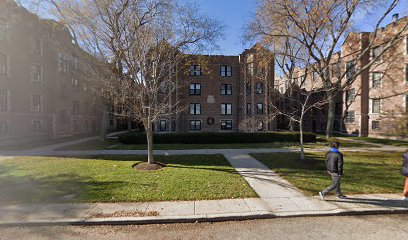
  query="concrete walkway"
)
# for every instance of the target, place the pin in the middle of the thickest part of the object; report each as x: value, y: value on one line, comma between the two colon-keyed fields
x: 277, y: 197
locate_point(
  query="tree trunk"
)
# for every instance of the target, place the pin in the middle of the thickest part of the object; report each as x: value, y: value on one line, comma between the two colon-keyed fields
x: 302, y: 148
x: 149, y: 135
x: 330, y: 117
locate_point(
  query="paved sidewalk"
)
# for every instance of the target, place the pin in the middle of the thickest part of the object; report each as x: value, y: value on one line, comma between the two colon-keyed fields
x: 196, y: 211
x: 277, y: 197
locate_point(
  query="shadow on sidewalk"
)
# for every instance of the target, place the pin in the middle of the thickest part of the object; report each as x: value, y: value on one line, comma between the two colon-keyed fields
x: 373, y: 201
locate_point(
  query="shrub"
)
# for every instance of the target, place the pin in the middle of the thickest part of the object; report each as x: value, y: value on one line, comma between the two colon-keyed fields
x: 221, y: 138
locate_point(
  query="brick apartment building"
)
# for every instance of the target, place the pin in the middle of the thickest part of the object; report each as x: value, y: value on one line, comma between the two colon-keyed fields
x: 379, y: 95
x: 45, y: 87
x: 223, y: 93
x: 373, y: 103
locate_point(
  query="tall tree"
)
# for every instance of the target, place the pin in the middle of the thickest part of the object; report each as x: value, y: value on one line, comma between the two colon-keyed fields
x: 321, y: 27
x: 139, y: 45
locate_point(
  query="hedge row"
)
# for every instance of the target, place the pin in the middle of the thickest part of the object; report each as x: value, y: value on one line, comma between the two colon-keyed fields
x: 208, y: 138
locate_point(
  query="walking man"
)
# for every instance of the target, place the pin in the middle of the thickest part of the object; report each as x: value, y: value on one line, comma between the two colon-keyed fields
x: 334, y: 165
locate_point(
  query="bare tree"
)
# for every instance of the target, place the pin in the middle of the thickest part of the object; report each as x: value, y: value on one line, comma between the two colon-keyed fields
x: 140, y: 46
x: 321, y: 27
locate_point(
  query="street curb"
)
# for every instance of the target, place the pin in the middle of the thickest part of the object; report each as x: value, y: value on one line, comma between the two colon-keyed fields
x: 193, y: 219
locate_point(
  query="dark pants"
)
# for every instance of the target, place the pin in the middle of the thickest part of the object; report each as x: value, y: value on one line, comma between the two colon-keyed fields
x: 335, y: 185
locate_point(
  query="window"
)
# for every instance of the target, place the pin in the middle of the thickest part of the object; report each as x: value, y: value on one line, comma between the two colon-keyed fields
x: 260, y: 125
x: 3, y: 127
x: 3, y: 29
x: 85, y: 87
x: 195, y: 70
x: 350, y: 117
x: 259, y: 108
x: 36, y: 103
x: 406, y: 73
x: 195, y: 89
x: 75, y: 63
x: 248, y: 88
x: 376, y: 105
x: 226, y: 89
x: 195, y: 125
x: 226, y: 109
x: 3, y: 64
x: 36, y: 124
x: 376, y: 79
x: 36, y: 46
x: 36, y: 74
x: 406, y: 103
x: 226, y: 124
x: 163, y: 126
x: 336, y: 70
x: 226, y: 71
x: 350, y: 70
x: 350, y: 95
x: 376, y: 54
x: 250, y: 69
x: 75, y: 84
x: 249, y: 109
x: 3, y: 100
x: 259, y: 88
x: 195, y: 109
x: 62, y: 62
x: 75, y: 107
x: 375, y: 125
x: 406, y: 44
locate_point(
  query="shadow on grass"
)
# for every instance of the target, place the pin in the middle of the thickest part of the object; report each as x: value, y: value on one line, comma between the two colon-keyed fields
x: 60, y: 188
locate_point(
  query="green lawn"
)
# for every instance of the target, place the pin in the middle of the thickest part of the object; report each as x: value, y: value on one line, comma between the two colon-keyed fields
x: 24, y: 145
x: 397, y: 143
x: 369, y: 172
x: 112, y: 179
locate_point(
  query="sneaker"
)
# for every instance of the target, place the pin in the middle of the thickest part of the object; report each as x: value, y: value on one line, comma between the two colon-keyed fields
x: 321, y: 195
x: 341, y: 197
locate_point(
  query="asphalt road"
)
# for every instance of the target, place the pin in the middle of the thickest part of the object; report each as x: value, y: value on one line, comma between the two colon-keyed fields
x: 392, y: 227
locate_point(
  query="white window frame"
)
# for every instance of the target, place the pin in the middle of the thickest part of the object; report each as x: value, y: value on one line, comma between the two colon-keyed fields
x: 38, y: 107
x: 195, y: 125
x: 372, y: 126
x: 379, y: 60
x: 257, y: 109
x: 226, y: 89
x: 372, y: 79
x: 226, y: 108
x: 160, y: 125
x: 372, y: 106
x: 36, y: 127
x: 195, y: 108
x: 225, y: 71
x: 226, y: 120
x: 195, y: 89
x: 347, y: 117
x: 38, y: 79
x: 3, y: 29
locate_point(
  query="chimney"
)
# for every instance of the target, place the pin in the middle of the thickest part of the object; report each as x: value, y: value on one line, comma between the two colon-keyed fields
x: 395, y: 18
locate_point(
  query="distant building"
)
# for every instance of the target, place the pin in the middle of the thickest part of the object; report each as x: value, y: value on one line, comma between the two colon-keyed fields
x: 223, y: 93
x: 46, y: 87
